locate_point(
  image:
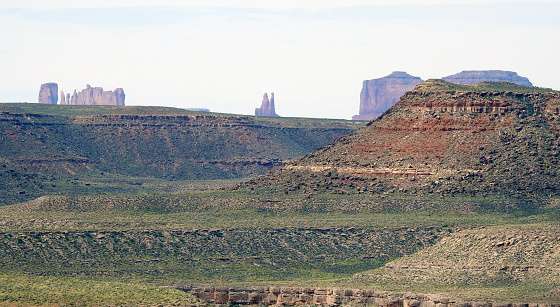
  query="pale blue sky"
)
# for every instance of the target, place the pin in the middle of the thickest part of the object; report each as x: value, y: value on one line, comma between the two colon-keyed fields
x: 223, y: 55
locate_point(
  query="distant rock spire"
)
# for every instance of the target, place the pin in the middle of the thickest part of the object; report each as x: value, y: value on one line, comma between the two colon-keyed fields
x: 74, y: 99
x: 267, y: 106
x: 62, y: 98
x: 97, y: 96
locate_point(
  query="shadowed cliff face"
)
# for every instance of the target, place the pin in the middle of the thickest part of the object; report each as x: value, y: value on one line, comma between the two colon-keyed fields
x: 444, y: 139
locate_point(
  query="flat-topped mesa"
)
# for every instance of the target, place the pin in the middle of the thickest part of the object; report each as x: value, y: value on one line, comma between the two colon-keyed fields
x: 476, y: 76
x: 492, y: 138
x: 483, y: 97
x: 267, y: 107
x: 380, y: 94
x: 97, y: 96
x: 48, y: 94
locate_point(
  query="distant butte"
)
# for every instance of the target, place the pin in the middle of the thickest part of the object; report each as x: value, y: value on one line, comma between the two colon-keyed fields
x: 48, y: 94
x: 380, y: 94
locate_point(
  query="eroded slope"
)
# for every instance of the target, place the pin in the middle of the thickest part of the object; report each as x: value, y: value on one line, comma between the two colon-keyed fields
x: 442, y: 139
x: 513, y: 262
x: 57, y: 149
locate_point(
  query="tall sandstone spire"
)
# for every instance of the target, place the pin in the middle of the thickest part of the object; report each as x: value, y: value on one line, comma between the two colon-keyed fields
x: 62, y: 98
x: 74, y: 99
x: 267, y: 106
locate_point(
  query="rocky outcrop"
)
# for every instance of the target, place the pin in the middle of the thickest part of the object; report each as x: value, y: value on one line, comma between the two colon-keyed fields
x: 97, y: 96
x: 378, y: 95
x: 476, y: 76
x: 320, y: 296
x: 267, y: 106
x: 48, y: 94
x: 303, y: 296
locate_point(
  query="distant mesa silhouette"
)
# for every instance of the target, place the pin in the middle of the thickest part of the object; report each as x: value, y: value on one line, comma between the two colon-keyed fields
x: 476, y: 76
x: 267, y: 106
x: 378, y: 95
x: 48, y: 94
x: 198, y: 109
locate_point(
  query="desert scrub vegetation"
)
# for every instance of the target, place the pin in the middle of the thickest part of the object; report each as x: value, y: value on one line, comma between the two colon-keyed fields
x: 26, y: 290
x: 212, y: 255
x: 513, y: 262
x: 246, y: 209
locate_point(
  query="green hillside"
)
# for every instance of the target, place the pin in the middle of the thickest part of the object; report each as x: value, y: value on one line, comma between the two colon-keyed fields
x: 52, y: 149
x: 452, y: 192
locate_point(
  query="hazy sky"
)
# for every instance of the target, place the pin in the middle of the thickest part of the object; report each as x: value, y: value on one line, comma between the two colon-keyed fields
x: 223, y: 55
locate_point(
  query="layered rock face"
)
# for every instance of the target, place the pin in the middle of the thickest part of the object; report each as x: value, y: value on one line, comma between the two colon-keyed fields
x: 319, y: 296
x: 378, y: 95
x: 444, y: 139
x: 305, y: 296
x: 476, y: 76
x: 97, y: 96
x: 267, y: 106
x: 48, y: 94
